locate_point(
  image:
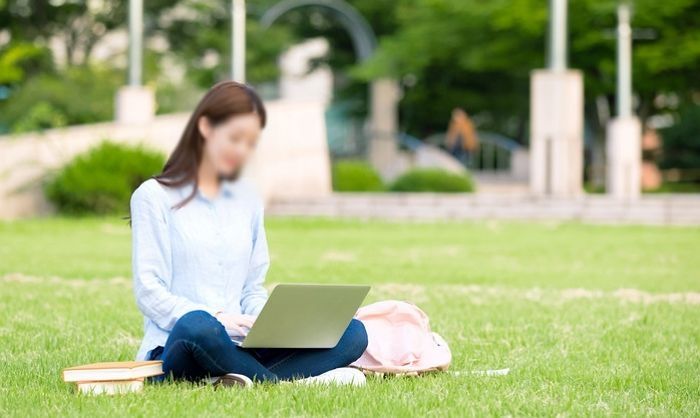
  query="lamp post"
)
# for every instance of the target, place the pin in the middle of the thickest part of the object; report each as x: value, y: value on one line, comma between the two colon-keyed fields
x: 624, y: 62
x: 135, y: 103
x: 238, y: 15
x: 557, y: 35
x: 624, y: 136
x: 135, y: 42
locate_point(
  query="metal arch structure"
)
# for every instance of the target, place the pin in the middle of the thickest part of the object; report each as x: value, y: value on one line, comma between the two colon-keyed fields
x: 363, y: 38
x: 384, y: 94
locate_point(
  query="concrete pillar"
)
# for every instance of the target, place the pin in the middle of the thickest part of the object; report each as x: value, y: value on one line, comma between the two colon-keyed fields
x: 135, y: 105
x: 556, y: 133
x: 383, y: 125
x: 624, y: 156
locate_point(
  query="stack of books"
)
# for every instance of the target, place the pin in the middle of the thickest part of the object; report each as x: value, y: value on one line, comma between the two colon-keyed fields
x: 112, y: 377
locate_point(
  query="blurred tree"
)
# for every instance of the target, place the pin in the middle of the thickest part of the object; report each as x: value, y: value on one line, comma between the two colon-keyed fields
x: 38, y: 88
x: 198, y: 32
x: 682, y: 143
x: 479, y: 55
x: 77, y: 24
x: 451, y: 53
x: 36, y: 85
x: 14, y: 60
x: 447, y: 53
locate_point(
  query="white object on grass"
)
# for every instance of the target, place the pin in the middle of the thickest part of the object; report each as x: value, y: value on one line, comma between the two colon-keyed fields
x: 495, y: 372
x: 341, y: 376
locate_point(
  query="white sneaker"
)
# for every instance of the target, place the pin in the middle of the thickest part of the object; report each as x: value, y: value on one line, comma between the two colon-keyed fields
x: 341, y: 376
x: 229, y: 380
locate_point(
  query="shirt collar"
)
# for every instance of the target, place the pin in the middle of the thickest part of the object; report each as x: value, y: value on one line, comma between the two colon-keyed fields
x: 228, y: 190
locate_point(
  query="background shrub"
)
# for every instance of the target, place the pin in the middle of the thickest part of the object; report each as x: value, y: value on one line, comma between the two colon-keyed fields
x: 356, y: 176
x: 101, y: 180
x: 49, y: 100
x: 433, y: 180
x: 39, y: 117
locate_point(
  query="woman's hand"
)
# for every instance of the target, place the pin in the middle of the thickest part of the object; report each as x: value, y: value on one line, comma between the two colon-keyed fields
x: 237, y: 325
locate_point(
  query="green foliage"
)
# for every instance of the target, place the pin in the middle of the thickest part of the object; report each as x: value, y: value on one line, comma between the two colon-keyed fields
x: 75, y: 96
x: 687, y: 187
x: 76, y: 24
x: 39, y: 117
x: 356, y: 176
x: 433, y: 180
x: 446, y: 53
x: 591, y: 188
x: 13, y: 60
x: 478, y: 55
x: 201, y: 30
x: 681, y: 142
x: 101, y: 181
x: 177, y: 97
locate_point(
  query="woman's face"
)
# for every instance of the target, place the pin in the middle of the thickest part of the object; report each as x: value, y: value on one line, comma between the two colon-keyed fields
x: 228, y: 145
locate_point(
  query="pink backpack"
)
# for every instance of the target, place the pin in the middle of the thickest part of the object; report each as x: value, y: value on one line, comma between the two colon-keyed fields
x: 400, y: 340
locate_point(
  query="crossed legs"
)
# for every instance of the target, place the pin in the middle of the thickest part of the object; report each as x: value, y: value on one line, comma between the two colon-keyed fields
x: 198, y: 346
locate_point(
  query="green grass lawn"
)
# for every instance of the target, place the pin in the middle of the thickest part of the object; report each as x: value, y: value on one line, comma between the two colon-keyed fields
x: 591, y: 320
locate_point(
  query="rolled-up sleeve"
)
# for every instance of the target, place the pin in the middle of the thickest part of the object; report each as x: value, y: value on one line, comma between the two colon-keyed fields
x: 151, y: 261
x: 254, y: 294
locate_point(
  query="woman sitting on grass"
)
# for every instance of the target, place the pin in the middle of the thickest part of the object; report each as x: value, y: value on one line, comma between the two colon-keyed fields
x: 200, y: 258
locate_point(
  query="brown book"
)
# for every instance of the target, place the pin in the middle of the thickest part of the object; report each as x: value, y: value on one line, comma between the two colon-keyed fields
x: 111, y: 371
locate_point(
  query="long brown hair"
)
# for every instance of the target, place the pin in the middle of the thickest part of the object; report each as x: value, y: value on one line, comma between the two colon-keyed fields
x: 223, y: 101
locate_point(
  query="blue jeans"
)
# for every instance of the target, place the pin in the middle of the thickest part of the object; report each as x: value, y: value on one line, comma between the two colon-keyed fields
x: 198, y: 346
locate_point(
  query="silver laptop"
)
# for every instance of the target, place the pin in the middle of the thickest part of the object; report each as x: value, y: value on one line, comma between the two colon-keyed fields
x: 305, y: 316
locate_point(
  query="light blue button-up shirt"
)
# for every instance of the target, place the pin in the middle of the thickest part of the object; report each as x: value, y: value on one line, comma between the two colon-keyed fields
x: 210, y: 254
